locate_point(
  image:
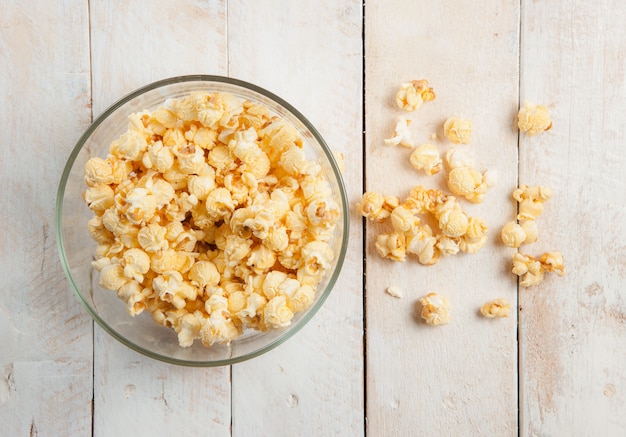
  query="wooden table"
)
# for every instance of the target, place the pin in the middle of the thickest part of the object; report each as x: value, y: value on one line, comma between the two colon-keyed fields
x: 365, y: 364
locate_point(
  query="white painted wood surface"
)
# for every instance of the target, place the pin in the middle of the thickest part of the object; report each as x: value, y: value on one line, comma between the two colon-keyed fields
x: 573, y: 329
x: 61, y: 61
x: 458, y: 379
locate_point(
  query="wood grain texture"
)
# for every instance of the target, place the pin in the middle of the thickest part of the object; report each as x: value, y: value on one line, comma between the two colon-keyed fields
x: 458, y: 379
x: 311, y: 55
x: 573, y: 329
x: 133, y: 44
x: 45, y: 336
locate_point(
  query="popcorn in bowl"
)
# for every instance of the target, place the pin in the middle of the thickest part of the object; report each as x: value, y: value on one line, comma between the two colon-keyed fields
x: 199, y: 204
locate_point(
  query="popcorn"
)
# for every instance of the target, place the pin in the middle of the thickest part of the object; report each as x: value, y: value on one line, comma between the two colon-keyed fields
x: 531, y: 199
x: 99, y: 197
x: 402, y: 135
x: 553, y: 262
x: 531, y: 270
x: 496, y: 308
x: 467, y: 182
x: 426, y: 157
x: 514, y: 234
x: 136, y: 263
x: 475, y: 237
x: 413, y: 94
x: 277, y: 314
x: 423, y: 245
x: 394, y: 292
x: 435, y: 309
x: 533, y: 119
x: 459, y: 157
x: 377, y: 207
x: 208, y: 215
x: 112, y: 277
x: 392, y: 246
x: 404, y: 220
x: 457, y: 130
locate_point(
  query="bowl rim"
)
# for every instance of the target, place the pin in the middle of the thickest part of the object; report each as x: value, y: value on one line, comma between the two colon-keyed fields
x: 289, y: 332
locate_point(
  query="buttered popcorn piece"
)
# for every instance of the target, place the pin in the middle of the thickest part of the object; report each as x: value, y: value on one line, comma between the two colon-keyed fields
x: 531, y: 200
x: 435, y: 309
x: 402, y: 135
x: 375, y: 206
x: 533, y: 119
x: 531, y: 270
x: 496, y: 308
x: 468, y: 183
x: 514, y: 234
x: 426, y: 157
x: 394, y: 291
x: 413, y: 94
x: 458, y: 130
x: 392, y: 246
x: 208, y: 214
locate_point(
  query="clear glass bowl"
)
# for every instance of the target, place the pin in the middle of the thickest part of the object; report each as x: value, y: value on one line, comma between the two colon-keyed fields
x: 77, y: 249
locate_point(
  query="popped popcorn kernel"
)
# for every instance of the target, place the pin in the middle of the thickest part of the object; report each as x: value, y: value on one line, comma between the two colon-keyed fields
x: 435, y: 309
x: 553, y: 262
x: 496, y: 308
x: 426, y: 158
x: 533, y: 119
x: 467, y: 182
x: 208, y: 214
x: 394, y: 292
x: 375, y: 206
x: 513, y: 235
x: 413, y: 94
x: 458, y: 130
x: 531, y: 200
x: 475, y: 237
x: 402, y: 135
x: 392, y: 246
x: 424, y: 245
x: 531, y: 270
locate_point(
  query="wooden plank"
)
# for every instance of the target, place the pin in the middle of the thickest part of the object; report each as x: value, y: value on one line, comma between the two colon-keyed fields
x: 311, y: 55
x: 45, y: 335
x: 459, y: 379
x: 133, y: 44
x: 573, y: 378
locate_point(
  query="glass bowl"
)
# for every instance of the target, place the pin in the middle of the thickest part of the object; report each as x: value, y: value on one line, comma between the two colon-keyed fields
x: 77, y: 249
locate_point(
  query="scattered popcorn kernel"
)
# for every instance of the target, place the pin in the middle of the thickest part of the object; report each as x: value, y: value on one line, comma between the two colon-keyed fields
x: 374, y: 206
x: 453, y: 222
x: 435, y: 309
x: 404, y: 220
x: 531, y: 199
x: 426, y: 157
x: 467, y: 182
x: 394, y: 292
x: 530, y: 228
x: 553, y: 262
x: 457, y: 130
x: 475, y: 237
x: 413, y: 94
x: 392, y: 246
x: 533, y: 119
x: 531, y: 270
x: 513, y: 235
x: 459, y: 157
x: 423, y: 245
x: 402, y: 135
x: 496, y: 308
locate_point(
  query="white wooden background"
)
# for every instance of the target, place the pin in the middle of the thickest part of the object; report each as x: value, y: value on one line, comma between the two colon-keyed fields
x: 364, y: 365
